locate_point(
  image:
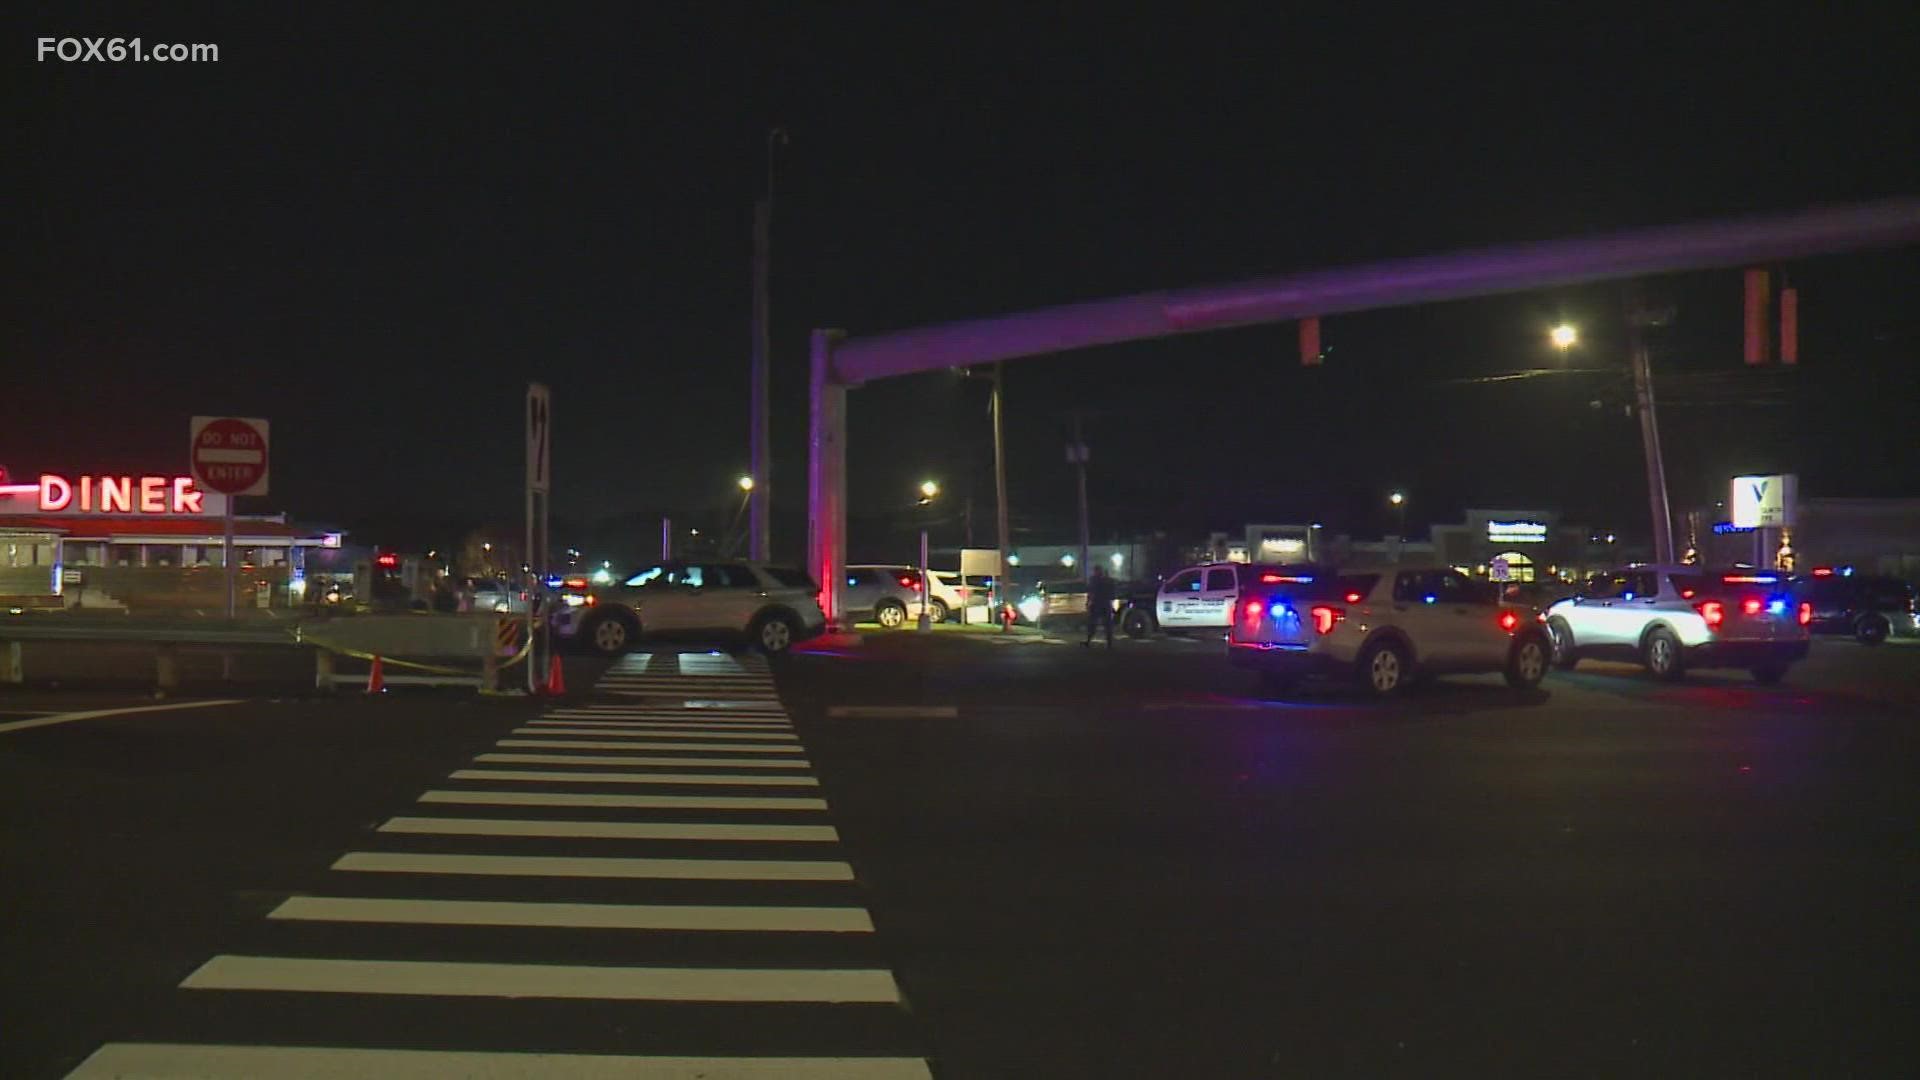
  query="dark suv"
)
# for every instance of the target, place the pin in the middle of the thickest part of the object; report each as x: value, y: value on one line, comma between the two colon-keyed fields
x: 1869, y: 609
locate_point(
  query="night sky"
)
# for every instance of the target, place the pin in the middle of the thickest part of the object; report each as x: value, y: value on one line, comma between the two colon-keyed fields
x: 374, y: 231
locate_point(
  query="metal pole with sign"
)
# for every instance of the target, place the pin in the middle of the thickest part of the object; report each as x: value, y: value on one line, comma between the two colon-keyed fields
x: 228, y: 454
x: 539, y: 484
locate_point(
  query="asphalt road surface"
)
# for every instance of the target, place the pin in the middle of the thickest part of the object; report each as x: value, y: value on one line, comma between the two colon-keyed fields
x: 966, y: 855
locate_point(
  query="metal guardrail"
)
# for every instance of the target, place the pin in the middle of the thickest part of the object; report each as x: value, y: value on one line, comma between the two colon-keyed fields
x: 465, y: 637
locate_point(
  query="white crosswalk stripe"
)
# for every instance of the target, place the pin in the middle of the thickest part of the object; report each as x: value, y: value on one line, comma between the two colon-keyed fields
x: 562, y: 870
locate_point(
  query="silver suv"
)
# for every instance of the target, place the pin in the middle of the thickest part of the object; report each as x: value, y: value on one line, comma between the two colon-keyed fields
x: 1382, y: 628
x: 771, y: 607
x: 1671, y: 618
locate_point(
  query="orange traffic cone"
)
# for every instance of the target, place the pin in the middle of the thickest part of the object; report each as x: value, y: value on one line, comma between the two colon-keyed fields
x: 556, y: 683
x: 376, y: 682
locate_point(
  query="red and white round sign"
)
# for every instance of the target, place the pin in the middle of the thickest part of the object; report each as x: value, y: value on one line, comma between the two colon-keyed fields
x: 230, y: 454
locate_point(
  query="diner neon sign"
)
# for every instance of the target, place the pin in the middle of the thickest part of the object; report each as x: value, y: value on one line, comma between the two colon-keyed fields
x: 119, y: 495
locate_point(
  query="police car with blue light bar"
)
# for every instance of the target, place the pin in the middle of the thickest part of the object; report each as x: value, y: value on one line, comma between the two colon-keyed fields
x: 1383, y: 628
x: 1671, y: 618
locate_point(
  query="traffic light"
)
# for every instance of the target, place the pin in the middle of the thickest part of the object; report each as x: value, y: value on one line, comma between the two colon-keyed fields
x: 1790, y: 326
x: 1310, y: 342
x: 1759, y: 296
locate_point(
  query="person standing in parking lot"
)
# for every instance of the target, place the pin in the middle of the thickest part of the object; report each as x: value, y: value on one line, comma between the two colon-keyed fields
x: 1099, y: 605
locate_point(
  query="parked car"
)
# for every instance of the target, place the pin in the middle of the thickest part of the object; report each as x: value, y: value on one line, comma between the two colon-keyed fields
x: 493, y: 594
x: 769, y: 607
x: 1382, y: 628
x: 890, y: 595
x: 1196, y: 599
x: 1867, y: 608
x: 1671, y: 618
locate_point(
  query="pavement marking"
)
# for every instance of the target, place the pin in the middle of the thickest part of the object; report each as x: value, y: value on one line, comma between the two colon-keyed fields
x: 635, y: 778
x: 677, y: 719
x: 670, y: 733
x: 623, y: 802
x: 574, y: 981
x: 588, y: 744
x: 559, y: 866
x: 892, y: 712
x: 608, y: 830
x: 797, y: 920
x: 94, y: 714
x: 215, y: 1062
x: 614, y: 759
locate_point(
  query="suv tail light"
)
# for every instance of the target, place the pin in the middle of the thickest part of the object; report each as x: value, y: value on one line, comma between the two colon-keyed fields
x: 1750, y: 607
x: 1508, y: 620
x: 1324, y: 617
x: 1254, y: 608
x: 908, y: 581
x: 1714, y: 612
x: 1806, y: 614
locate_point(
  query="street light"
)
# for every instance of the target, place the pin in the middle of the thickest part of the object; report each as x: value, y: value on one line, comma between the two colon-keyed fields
x: 1563, y: 337
x: 928, y: 489
x: 746, y: 483
x: 1399, y: 501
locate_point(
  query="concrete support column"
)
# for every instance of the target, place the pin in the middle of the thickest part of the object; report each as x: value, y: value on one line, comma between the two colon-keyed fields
x: 827, y: 478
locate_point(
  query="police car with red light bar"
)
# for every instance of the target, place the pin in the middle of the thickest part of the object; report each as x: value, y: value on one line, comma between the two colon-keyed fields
x: 1671, y: 618
x: 1383, y: 628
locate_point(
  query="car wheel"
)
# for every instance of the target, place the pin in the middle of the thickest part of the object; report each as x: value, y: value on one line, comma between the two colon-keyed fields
x: 773, y: 634
x: 1769, y: 674
x: 1565, y: 656
x: 1527, y: 663
x: 1136, y: 623
x: 1872, y: 629
x: 1385, y: 669
x: 937, y: 610
x: 1661, y: 654
x: 610, y: 634
x: 891, y: 614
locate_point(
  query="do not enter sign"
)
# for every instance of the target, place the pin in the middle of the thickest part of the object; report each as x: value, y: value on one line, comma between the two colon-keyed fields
x: 230, y: 454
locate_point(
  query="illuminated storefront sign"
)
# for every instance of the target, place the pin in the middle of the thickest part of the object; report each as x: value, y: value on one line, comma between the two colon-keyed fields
x: 1281, y: 547
x: 1764, y: 501
x: 150, y: 496
x: 1516, y: 532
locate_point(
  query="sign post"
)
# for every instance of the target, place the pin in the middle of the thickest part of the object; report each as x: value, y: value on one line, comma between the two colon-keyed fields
x: 539, y: 485
x: 228, y: 454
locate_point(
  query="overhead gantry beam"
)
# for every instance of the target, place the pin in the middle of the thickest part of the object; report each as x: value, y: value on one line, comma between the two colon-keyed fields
x: 839, y: 364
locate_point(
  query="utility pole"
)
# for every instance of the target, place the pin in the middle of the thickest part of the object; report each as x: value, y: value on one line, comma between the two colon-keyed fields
x: 759, y: 498
x: 1639, y: 318
x: 1000, y: 582
x: 1077, y: 455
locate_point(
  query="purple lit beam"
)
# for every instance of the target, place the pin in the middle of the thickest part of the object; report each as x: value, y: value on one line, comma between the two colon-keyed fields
x: 1426, y: 279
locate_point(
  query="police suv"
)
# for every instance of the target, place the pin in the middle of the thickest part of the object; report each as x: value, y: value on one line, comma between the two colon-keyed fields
x: 1382, y: 628
x: 1671, y: 618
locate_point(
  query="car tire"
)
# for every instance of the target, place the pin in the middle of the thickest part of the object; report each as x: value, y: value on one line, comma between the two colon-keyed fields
x: 610, y: 634
x: 890, y: 614
x: 1527, y: 661
x: 773, y: 634
x: 1385, y: 669
x: 1661, y: 655
x: 1136, y: 623
x: 1565, y: 653
x: 937, y: 610
x: 1872, y: 629
x: 1769, y: 674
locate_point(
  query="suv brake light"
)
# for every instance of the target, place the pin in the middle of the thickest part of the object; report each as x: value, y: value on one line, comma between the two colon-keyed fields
x: 1713, y: 611
x: 1806, y: 614
x: 1324, y: 617
x: 1254, y: 607
x: 908, y: 581
x: 1508, y: 620
x: 1750, y: 607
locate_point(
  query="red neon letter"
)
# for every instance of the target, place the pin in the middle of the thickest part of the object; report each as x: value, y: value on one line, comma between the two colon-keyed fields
x: 185, y: 499
x: 116, y: 493
x: 86, y: 493
x: 153, y: 495
x: 55, y: 493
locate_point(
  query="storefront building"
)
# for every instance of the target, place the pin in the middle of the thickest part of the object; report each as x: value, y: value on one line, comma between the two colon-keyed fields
x: 143, y: 542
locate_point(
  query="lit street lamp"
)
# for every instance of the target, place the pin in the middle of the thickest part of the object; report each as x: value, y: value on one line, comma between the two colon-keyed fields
x: 1563, y: 337
x: 1399, y: 501
x: 928, y: 490
x: 746, y: 483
